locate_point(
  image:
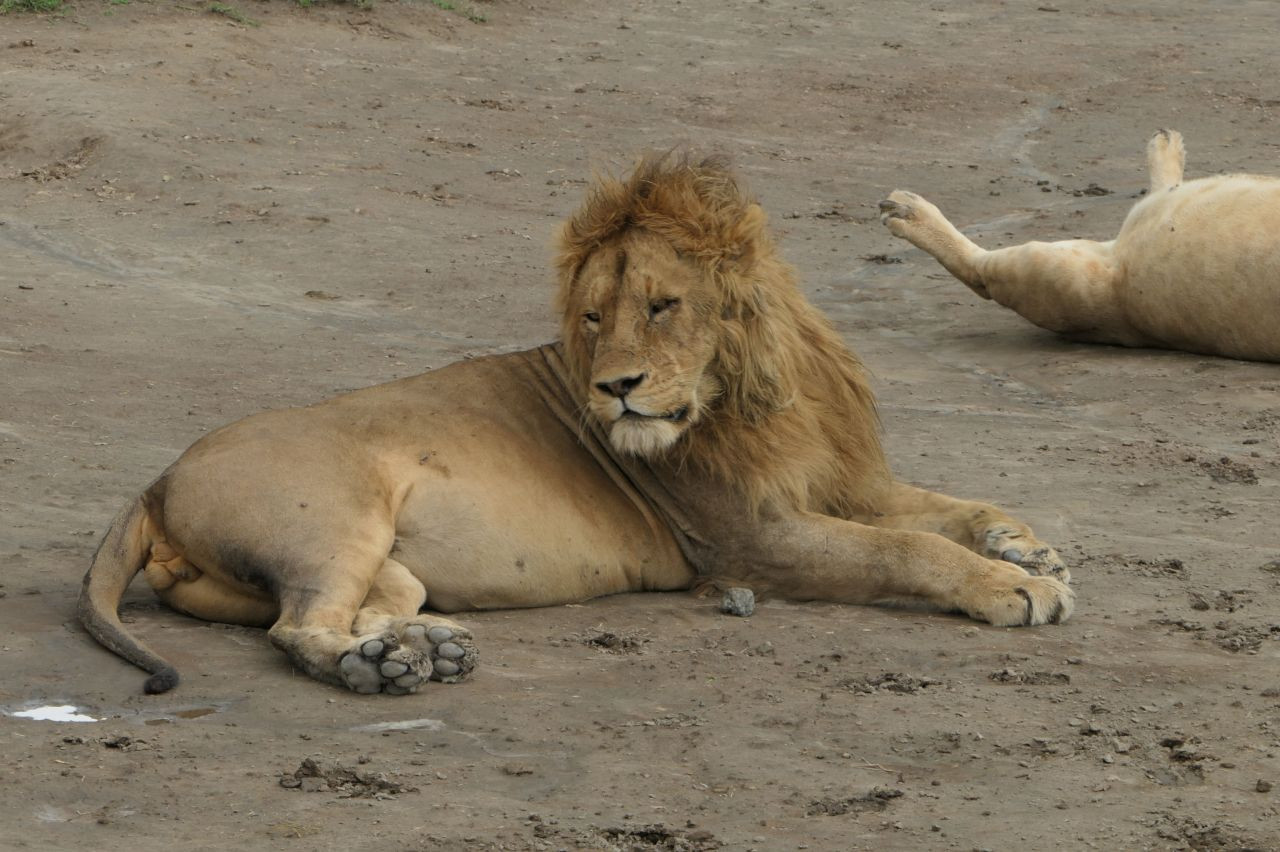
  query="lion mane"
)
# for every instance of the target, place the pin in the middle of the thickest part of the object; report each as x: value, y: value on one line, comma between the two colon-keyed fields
x: 795, y: 422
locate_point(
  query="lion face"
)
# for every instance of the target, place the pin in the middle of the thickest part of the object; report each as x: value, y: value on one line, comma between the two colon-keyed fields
x: 641, y: 312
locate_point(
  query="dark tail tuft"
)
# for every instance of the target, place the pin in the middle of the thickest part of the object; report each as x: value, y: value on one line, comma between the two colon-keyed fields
x: 162, y: 681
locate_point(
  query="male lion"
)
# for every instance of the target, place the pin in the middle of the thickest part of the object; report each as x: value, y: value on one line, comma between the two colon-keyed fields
x: 697, y: 423
x: 1196, y: 265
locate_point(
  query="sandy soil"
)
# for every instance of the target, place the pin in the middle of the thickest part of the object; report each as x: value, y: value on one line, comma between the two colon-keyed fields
x: 202, y: 218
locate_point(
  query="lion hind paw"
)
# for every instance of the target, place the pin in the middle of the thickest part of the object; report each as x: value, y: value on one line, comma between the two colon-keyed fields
x: 451, y: 650
x: 382, y: 664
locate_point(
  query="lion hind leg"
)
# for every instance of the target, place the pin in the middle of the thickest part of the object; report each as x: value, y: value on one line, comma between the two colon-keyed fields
x: 916, y: 220
x: 1067, y: 286
x: 187, y: 589
x: 319, y: 601
x: 206, y: 597
x: 1166, y: 158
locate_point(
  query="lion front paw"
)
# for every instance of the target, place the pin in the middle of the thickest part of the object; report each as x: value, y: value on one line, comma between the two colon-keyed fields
x: 1023, y: 601
x: 1020, y: 547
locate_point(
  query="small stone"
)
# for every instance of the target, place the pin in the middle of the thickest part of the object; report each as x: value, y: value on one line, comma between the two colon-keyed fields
x: 738, y: 601
x: 1262, y: 786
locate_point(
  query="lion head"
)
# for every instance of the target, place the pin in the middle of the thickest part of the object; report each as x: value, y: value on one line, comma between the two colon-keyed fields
x: 685, y: 332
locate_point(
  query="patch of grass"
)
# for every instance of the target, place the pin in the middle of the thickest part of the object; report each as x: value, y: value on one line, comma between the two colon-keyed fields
x: 359, y: 4
x: 233, y: 13
x: 469, y: 11
x: 7, y: 6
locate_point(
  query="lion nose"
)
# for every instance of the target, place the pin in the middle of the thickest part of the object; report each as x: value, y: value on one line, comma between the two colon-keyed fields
x: 621, y: 387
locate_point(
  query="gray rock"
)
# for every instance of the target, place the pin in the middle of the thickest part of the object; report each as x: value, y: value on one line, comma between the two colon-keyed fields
x: 738, y: 601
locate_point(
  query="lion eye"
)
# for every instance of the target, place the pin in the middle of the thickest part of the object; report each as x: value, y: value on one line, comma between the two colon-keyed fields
x: 591, y: 316
x: 657, y: 307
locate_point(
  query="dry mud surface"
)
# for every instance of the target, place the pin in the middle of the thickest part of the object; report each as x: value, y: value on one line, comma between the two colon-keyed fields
x: 202, y: 218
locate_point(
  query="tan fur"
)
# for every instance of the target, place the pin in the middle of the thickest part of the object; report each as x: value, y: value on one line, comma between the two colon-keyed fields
x: 1196, y: 265
x: 699, y: 423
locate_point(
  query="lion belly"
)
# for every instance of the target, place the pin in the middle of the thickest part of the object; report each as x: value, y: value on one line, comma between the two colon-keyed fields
x: 478, y: 544
x: 526, y: 517
x: 1201, y: 267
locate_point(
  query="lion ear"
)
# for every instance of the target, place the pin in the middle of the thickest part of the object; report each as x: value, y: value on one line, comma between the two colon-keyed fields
x: 746, y: 240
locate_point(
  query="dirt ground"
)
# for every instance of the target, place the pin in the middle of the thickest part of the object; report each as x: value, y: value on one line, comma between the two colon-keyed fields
x: 202, y: 217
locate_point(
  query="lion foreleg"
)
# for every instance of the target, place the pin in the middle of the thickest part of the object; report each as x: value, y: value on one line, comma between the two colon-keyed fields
x: 981, y: 527
x: 817, y: 557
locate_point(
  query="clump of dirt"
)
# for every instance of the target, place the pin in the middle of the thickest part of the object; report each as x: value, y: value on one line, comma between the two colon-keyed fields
x: 1202, y: 836
x: 876, y: 800
x: 1092, y: 190
x: 888, y: 682
x: 1031, y: 678
x: 659, y: 837
x: 1183, y: 749
x: 1227, y: 469
x: 1223, y: 600
x: 1238, y: 637
x: 1167, y: 567
x: 1184, y: 624
x: 314, y: 776
x: 125, y: 743
x: 635, y: 838
x: 620, y: 642
x: 67, y: 166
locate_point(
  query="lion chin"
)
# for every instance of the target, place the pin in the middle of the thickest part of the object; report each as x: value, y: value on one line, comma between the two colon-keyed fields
x: 645, y: 437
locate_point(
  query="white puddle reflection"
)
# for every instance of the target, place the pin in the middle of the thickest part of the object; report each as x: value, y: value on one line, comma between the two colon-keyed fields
x: 406, y: 725
x: 54, y: 713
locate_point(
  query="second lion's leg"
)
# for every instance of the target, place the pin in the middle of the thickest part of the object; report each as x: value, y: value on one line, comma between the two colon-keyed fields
x: 981, y: 527
x: 1066, y: 286
x: 1165, y: 159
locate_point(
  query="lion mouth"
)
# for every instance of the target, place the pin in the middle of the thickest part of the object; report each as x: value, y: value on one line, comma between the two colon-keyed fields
x: 677, y: 416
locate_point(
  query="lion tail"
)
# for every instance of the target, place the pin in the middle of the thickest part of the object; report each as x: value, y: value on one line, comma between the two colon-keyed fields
x: 123, y: 552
